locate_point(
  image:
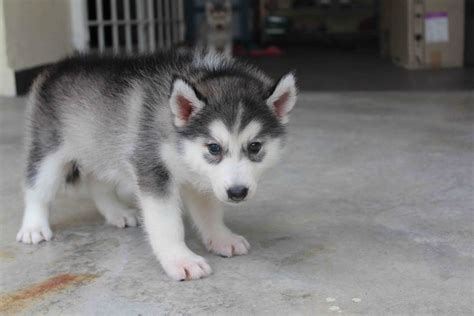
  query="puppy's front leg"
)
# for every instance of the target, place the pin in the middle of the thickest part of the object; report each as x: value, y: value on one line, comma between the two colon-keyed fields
x: 208, y: 216
x: 164, y: 225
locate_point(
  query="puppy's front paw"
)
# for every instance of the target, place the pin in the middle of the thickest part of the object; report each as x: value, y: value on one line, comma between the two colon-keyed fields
x: 228, y: 244
x: 186, y: 266
x: 34, y: 234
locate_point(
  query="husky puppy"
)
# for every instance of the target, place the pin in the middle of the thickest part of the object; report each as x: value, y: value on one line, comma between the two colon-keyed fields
x: 216, y: 30
x: 167, y: 131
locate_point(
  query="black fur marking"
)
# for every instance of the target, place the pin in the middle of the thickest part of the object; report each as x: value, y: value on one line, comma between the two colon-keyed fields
x: 231, y: 72
x: 213, y: 160
x: 258, y: 157
x: 257, y: 110
x: 224, y: 105
x: 153, y: 176
x: 45, y: 138
x: 120, y: 68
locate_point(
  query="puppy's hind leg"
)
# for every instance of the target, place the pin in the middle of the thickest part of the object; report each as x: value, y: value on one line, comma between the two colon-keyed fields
x: 126, y: 194
x: 44, y: 177
x: 116, y: 213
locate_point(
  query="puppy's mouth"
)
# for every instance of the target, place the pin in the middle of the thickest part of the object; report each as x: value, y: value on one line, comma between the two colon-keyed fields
x: 234, y: 202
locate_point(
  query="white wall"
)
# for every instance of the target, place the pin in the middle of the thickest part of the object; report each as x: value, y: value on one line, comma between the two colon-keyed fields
x: 32, y: 33
x: 7, y: 75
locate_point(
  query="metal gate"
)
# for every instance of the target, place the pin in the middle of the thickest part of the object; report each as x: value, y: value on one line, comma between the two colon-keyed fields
x: 127, y: 25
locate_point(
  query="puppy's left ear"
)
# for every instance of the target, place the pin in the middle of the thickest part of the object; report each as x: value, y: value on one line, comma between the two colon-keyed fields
x: 283, y: 97
x: 184, y: 102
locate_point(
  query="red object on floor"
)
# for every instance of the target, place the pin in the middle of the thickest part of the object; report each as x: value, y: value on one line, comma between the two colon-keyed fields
x: 271, y: 51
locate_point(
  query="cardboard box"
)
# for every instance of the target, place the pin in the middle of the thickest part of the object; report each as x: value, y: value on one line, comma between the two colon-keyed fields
x: 469, y: 36
x: 427, y: 33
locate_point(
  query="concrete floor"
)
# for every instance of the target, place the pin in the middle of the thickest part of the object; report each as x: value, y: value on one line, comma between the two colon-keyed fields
x: 374, y: 200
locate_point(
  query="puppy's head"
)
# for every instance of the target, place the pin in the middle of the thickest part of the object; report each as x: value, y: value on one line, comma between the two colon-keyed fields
x: 231, y: 129
x: 218, y: 14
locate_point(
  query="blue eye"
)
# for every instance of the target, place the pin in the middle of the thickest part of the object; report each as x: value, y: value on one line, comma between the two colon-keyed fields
x: 214, y: 149
x: 254, y: 148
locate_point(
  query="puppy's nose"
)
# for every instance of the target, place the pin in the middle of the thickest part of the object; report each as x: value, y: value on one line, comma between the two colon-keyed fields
x: 237, y: 193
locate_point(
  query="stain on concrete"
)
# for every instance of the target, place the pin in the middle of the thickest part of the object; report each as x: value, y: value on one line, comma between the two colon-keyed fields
x: 20, y: 299
x: 292, y: 296
x: 303, y: 255
x: 271, y: 242
x: 6, y: 255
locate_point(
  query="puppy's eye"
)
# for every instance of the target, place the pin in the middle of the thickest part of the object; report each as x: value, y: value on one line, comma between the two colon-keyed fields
x: 254, y: 148
x: 214, y: 149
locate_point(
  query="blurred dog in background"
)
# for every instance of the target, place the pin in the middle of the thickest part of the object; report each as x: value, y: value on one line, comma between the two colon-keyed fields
x: 216, y: 30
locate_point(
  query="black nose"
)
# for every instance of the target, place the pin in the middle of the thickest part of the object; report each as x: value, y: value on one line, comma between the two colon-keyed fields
x: 237, y: 193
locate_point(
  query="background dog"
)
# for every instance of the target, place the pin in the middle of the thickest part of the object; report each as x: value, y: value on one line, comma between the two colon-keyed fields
x: 216, y: 30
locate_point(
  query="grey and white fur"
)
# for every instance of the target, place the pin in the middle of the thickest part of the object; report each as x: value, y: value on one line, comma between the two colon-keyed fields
x: 159, y: 133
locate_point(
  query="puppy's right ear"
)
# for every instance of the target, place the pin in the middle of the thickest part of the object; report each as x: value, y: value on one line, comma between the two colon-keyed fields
x: 184, y: 102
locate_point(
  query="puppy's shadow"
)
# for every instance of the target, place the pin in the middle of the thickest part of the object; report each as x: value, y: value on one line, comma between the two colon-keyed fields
x: 69, y: 212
